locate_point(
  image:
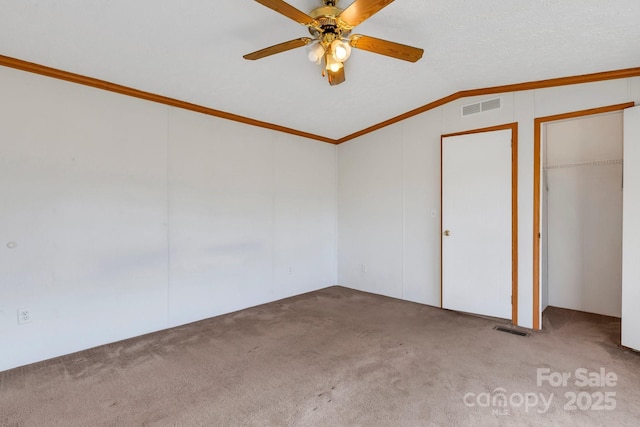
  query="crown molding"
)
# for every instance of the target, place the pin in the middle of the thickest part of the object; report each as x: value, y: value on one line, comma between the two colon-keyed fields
x: 517, y: 87
x: 31, y: 67
x: 124, y: 90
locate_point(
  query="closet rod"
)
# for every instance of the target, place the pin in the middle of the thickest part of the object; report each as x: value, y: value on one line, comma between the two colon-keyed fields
x: 582, y: 164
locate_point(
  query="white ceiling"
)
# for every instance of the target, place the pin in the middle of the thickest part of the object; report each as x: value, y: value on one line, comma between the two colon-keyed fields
x: 192, y: 51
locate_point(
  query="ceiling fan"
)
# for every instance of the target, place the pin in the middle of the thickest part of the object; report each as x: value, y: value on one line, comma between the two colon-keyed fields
x: 331, y: 42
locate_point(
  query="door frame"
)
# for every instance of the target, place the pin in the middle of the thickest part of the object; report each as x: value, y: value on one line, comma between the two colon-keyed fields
x: 537, y: 196
x: 514, y: 209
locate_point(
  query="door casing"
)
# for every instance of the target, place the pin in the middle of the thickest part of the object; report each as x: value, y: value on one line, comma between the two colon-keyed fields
x: 537, y: 196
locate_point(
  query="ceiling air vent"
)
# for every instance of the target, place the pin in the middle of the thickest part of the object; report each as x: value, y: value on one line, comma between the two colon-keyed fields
x: 480, y: 107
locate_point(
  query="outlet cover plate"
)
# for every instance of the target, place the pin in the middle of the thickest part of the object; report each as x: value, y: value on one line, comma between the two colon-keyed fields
x: 24, y: 316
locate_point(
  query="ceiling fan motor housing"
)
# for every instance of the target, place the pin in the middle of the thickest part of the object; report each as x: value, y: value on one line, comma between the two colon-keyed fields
x: 330, y: 28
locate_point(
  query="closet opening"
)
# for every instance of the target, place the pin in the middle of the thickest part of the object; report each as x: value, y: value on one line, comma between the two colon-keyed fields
x: 581, y: 214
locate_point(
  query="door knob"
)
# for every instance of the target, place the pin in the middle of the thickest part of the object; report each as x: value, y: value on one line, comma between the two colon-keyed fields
x: 447, y: 233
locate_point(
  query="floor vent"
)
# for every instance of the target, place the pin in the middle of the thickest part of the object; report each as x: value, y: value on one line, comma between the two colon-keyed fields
x: 511, y: 331
x: 480, y: 107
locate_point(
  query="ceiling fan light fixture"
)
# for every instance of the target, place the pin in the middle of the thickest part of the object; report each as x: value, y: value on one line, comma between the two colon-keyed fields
x: 315, y: 52
x: 341, y: 50
x: 332, y: 64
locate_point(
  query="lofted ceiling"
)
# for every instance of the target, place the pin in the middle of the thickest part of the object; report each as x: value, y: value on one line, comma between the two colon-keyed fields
x: 192, y: 51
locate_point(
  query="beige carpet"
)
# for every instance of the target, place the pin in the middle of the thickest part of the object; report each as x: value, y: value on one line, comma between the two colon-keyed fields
x: 331, y: 358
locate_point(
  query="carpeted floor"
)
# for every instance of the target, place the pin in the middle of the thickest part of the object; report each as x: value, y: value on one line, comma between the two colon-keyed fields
x: 338, y: 357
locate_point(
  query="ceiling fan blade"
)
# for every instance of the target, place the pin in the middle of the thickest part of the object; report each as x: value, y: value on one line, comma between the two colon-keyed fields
x: 282, y: 47
x: 289, y: 11
x: 336, y: 77
x: 361, y: 10
x: 384, y: 47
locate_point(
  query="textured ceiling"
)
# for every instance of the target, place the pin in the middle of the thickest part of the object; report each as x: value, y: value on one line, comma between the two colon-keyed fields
x: 192, y: 51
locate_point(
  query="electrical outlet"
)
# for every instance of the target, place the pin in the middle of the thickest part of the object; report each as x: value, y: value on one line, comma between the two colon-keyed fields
x: 24, y: 316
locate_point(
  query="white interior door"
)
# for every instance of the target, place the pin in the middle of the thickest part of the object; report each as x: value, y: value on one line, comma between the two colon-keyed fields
x: 631, y: 231
x: 476, y: 223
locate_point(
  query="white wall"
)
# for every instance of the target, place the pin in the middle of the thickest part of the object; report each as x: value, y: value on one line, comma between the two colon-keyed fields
x: 130, y: 217
x: 544, y: 245
x: 389, y: 215
x: 631, y: 231
x: 244, y: 206
x: 397, y: 170
x: 83, y: 190
x: 584, y: 213
x: 370, y: 207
